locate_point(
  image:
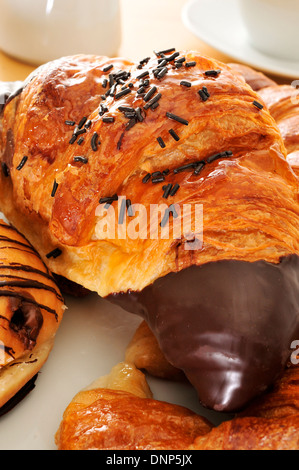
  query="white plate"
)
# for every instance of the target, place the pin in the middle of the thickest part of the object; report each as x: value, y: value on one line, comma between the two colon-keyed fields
x: 219, y: 24
x: 91, y: 339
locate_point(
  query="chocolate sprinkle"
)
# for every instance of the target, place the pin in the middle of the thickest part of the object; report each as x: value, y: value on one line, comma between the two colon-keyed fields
x: 188, y: 166
x: 162, y: 72
x: 177, y: 118
x: 159, y: 179
x: 190, y: 64
x: 167, y: 190
x: 22, y: 163
x: 204, y: 94
x: 161, y: 142
x: 109, y: 199
x: 174, y: 189
x: 107, y: 68
x: 172, y: 57
x: 219, y: 155
x: 146, y: 178
x: 174, y: 135
x: 199, y: 167
x: 153, y: 101
x: 154, y: 106
x: 257, y: 104
x: 156, y: 173
x: 73, y: 139
x: 54, y: 253
x: 185, y: 83
x: 150, y: 93
x: 55, y: 187
x: 125, y: 109
x: 139, y: 114
x: 80, y: 159
x: 142, y: 75
x: 94, y: 142
x: 122, y: 93
x: 103, y: 109
x: 212, y: 73
x: 162, y: 62
x: 108, y: 119
x: 78, y: 131
x: 82, y: 122
x: 166, y: 51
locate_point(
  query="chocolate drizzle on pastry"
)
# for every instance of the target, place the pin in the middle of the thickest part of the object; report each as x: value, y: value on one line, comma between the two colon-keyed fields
x: 26, y: 320
x: 227, y: 324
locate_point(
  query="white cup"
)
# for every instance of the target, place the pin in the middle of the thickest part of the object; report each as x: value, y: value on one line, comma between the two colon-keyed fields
x: 37, y: 31
x: 273, y: 26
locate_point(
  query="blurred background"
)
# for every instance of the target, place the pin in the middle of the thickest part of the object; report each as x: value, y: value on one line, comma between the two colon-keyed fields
x: 35, y: 31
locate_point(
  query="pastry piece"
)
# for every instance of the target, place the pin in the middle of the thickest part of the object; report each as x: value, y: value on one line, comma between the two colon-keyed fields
x: 31, y: 309
x: 111, y: 418
x: 144, y: 352
x: 125, y: 377
x: 176, y: 129
x: 270, y: 423
x: 255, y: 79
x: 283, y: 104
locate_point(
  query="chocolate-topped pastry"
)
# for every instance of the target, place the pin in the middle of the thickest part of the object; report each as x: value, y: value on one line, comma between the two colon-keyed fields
x: 92, y: 144
x: 239, y: 320
x: 31, y: 308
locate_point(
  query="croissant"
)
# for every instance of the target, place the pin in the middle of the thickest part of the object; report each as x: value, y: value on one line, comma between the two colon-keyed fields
x: 120, y: 413
x: 31, y: 309
x: 88, y: 140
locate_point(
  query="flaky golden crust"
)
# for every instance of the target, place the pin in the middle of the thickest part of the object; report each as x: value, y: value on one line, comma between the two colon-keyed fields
x: 117, y: 412
x: 283, y: 104
x: 237, y: 224
x: 31, y: 309
x: 103, y: 418
x: 120, y: 420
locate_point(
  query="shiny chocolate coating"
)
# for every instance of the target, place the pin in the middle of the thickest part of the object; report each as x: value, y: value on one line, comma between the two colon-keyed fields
x: 227, y: 324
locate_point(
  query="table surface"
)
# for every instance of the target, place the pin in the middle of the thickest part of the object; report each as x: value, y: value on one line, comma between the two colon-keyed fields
x: 145, y: 26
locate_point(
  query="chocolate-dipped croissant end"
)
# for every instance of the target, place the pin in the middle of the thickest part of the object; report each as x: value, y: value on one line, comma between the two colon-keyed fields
x: 228, y: 325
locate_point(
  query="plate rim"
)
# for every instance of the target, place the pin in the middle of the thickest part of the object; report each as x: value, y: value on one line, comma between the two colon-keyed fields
x: 189, y: 24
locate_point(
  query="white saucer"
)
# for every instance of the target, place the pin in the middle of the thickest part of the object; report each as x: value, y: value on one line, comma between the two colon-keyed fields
x: 219, y: 24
